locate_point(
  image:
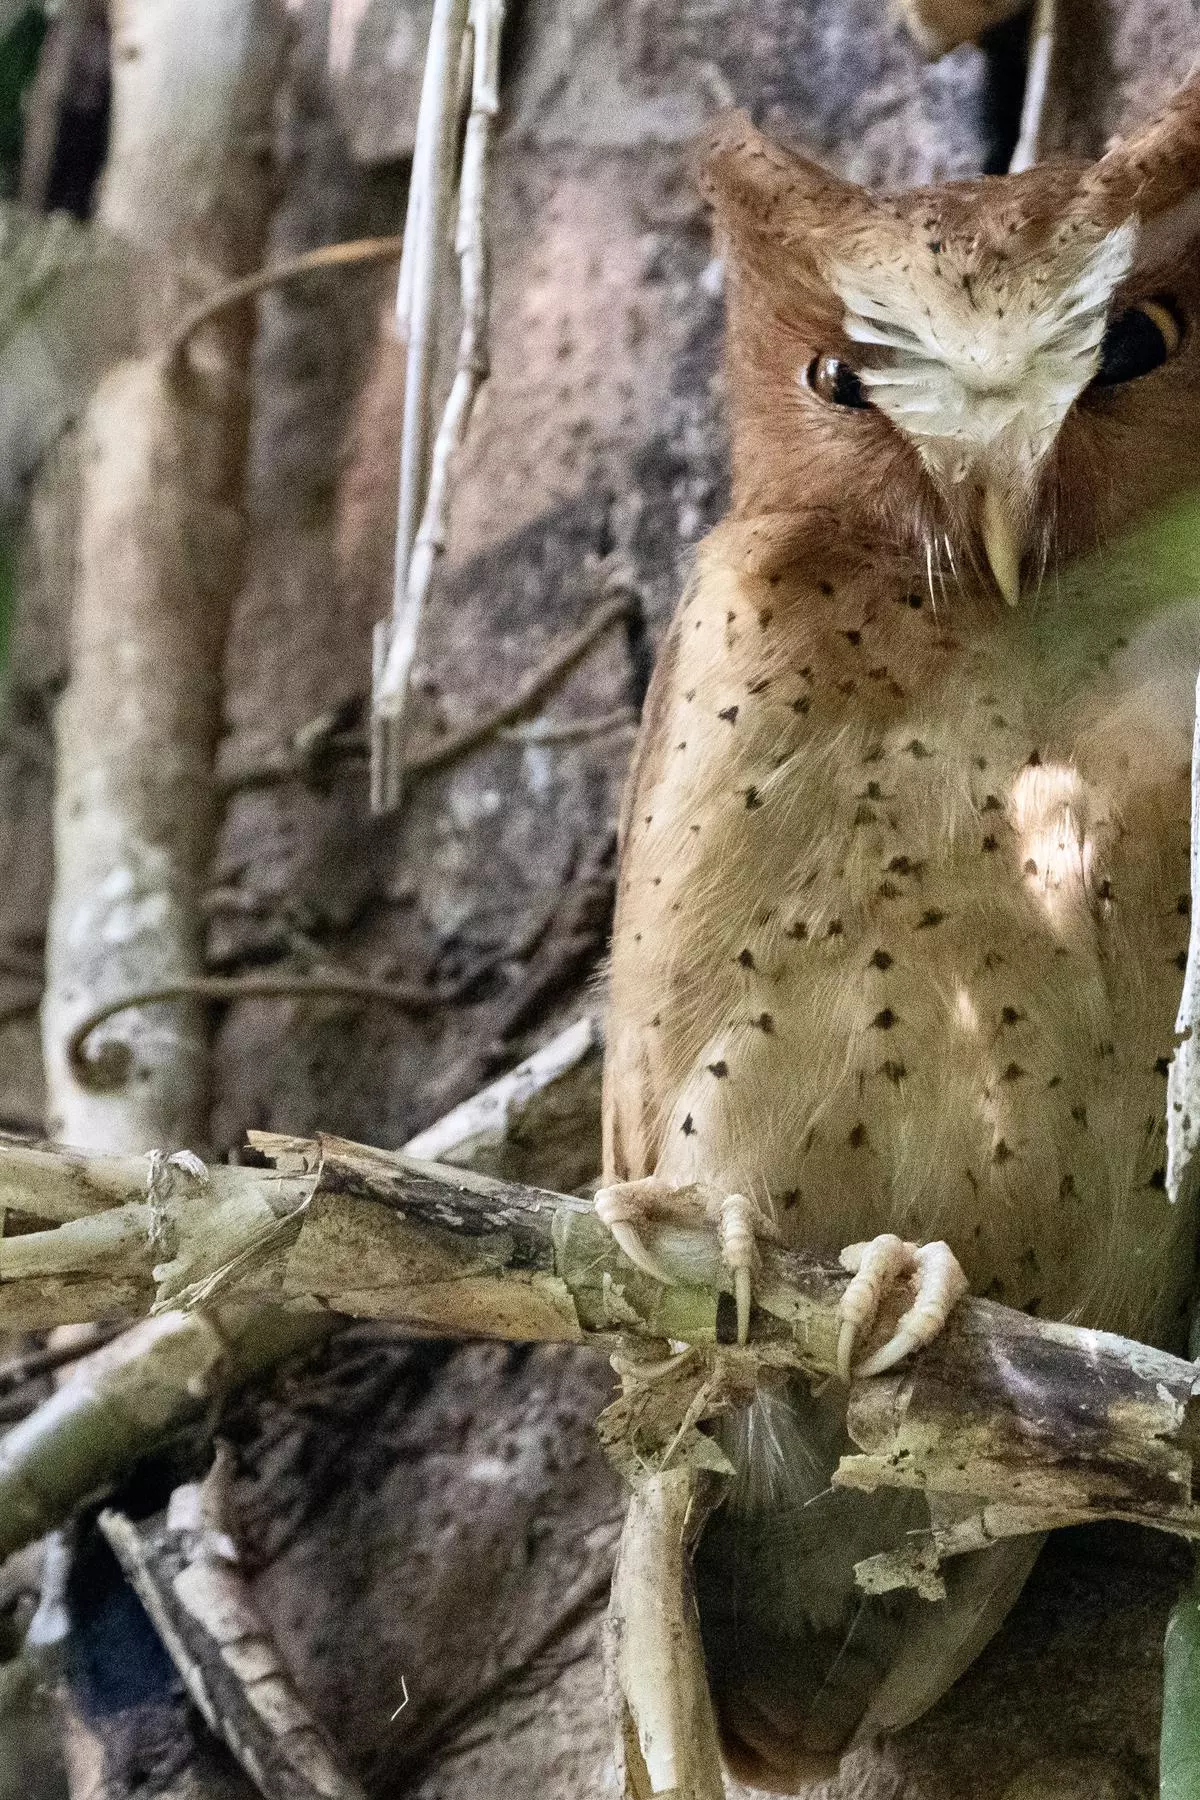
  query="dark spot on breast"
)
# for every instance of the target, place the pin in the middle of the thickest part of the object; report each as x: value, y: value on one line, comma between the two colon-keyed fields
x: 1162, y: 1065
x: 881, y: 960
x: 872, y: 791
x: 1011, y: 1015
x: 884, y: 1020
x: 873, y: 755
x: 656, y: 1020
x: 1079, y: 1114
x: 731, y: 618
x: 1029, y: 866
x: 746, y: 958
x: 916, y: 748
x: 729, y: 714
x: 999, y: 721
x: 1104, y: 889
x: 791, y: 1199
x: 989, y: 844
x: 895, y: 1071
x: 760, y: 686
x: 764, y: 1022
x: 766, y: 615
x: 888, y: 890
x: 720, y: 1068
x: 864, y: 814
x: 916, y: 601
x: 858, y: 1136
x: 687, y: 1128
x: 1158, y: 1179
x: 1014, y: 1072
x: 834, y: 928
x: 1002, y: 1153
x: 879, y: 673
x: 903, y: 865
x: 929, y: 919
x: 682, y: 745
x: 1181, y: 960
x: 847, y: 688
x: 801, y: 705
x: 1034, y: 760
x: 797, y: 930
x: 695, y: 829
x: 1183, y: 906
x: 981, y: 762
x: 691, y: 694
x: 853, y: 638
x: 1054, y: 1081
x: 825, y: 587
x: 753, y: 799
x: 1066, y: 1187
x: 991, y: 804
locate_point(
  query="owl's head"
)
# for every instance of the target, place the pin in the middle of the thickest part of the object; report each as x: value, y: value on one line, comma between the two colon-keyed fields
x: 986, y: 374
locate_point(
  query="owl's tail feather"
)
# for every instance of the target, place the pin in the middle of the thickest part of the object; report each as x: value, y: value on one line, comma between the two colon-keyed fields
x: 801, y: 1662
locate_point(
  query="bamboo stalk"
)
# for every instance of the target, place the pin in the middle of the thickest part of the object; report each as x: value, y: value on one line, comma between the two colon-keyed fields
x: 1024, y: 1423
x: 425, y: 465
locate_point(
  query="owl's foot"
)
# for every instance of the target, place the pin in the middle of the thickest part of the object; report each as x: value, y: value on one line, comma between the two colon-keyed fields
x: 887, y: 1260
x: 628, y: 1206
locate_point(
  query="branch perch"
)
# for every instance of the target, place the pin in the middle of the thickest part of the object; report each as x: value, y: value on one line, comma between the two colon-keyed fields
x: 1021, y: 1424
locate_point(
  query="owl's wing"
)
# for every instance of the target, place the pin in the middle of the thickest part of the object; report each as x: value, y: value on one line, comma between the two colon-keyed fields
x: 633, y: 1096
x: 801, y: 1662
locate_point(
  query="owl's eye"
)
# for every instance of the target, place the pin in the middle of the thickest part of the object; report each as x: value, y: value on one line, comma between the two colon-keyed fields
x: 1139, y: 339
x: 835, y: 381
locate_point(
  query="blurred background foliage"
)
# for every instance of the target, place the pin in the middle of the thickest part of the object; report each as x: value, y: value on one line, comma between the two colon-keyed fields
x: 20, y: 47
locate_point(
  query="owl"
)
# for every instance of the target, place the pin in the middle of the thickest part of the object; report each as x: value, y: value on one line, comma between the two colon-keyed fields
x: 903, y: 892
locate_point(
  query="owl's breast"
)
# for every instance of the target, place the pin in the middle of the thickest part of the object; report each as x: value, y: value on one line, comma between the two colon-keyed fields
x: 899, y: 943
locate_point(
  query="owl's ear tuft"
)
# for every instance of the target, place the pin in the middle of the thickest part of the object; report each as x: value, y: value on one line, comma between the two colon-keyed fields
x: 1154, y: 175
x: 761, y: 192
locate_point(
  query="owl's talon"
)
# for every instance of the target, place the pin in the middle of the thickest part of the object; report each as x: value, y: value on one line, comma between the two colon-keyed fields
x: 626, y: 1205
x: 879, y: 1265
x: 742, y: 1296
x: 622, y: 1209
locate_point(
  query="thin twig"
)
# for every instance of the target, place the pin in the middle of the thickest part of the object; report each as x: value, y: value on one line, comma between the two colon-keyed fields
x: 306, y: 762
x: 571, y: 731
x: 1037, y: 86
x: 102, y: 1068
x: 44, y: 1361
x: 425, y: 474
x: 328, y: 256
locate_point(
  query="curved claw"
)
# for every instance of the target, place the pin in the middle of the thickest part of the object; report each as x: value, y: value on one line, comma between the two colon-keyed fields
x: 940, y: 1284
x: 613, y: 1209
x: 845, y: 1349
x: 741, y: 1294
x: 626, y: 1238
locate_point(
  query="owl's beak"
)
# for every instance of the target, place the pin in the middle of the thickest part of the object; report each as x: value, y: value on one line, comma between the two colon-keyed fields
x: 1002, y: 541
